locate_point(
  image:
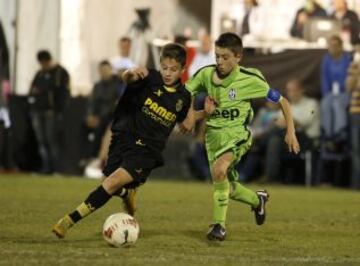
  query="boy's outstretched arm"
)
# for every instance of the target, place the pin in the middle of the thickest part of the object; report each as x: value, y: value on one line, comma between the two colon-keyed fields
x: 134, y: 74
x: 290, y: 137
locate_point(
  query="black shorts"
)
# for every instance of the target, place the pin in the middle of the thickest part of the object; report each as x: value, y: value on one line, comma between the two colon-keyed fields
x: 137, y: 160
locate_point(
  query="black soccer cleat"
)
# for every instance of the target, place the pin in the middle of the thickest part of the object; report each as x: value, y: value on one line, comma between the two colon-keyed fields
x: 259, y: 211
x: 216, y: 232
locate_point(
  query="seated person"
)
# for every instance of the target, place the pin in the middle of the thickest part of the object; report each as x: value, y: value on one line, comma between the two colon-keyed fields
x: 261, y: 127
x: 101, y: 106
x: 307, y: 123
x: 349, y: 20
x: 311, y: 9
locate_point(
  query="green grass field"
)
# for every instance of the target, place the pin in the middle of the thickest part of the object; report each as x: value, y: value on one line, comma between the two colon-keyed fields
x: 304, y: 226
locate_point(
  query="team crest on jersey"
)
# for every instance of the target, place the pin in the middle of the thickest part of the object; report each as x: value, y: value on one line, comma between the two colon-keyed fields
x: 179, y: 105
x: 232, y: 94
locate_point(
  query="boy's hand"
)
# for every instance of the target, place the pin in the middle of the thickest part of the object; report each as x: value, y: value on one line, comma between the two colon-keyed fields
x: 141, y: 72
x: 292, y: 142
x: 210, y: 105
x: 134, y: 74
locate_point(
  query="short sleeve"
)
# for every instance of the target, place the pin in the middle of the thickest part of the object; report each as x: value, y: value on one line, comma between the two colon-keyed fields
x: 258, y: 89
x: 195, y: 84
x: 183, y: 113
x: 132, y: 89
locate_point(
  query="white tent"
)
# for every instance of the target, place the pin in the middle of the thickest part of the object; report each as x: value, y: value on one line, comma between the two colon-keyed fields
x: 78, y: 33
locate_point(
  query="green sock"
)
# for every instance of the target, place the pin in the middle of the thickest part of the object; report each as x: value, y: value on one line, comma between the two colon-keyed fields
x: 221, y: 201
x: 240, y: 193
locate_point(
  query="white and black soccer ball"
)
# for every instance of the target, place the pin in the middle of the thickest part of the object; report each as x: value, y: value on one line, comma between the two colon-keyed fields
x: 121, y: 230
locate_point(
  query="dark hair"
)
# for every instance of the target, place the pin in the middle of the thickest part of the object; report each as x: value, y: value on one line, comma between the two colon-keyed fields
x: 125, y: 39
x: 43, y: 55
x: 180, y: 39
x: 104, y: 63
x: 174, y: 51
x: 231, y: 41
x: 336, y: 38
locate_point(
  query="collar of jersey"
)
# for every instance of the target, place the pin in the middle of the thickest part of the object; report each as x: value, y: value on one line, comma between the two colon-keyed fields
x: 172, y: 88
x: 230, y: 78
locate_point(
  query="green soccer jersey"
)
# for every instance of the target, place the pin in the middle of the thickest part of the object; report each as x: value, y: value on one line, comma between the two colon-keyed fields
x: 233, y: 95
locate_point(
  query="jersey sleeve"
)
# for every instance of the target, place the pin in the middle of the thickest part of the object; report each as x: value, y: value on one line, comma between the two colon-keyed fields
x: 259, y: 88
x: 183, y: 113
x: 196, y: 83
x: 132, y: 89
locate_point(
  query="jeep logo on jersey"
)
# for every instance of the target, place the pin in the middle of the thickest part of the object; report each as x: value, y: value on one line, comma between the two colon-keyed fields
x: 231, y: 113
x: 232, y: 94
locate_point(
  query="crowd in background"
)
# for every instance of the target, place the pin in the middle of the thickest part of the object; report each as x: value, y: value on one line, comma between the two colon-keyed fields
x: 328, y: 128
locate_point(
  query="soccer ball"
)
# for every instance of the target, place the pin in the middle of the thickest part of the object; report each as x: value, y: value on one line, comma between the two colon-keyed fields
x: 121, y: 230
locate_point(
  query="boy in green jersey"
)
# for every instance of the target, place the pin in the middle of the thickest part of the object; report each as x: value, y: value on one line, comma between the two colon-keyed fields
x: 232, y: 87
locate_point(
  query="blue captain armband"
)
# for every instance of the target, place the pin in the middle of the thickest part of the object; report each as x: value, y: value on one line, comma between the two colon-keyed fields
x: 273, y: 96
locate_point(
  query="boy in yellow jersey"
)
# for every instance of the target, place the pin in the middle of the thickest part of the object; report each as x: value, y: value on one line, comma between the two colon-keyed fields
x: 232, y: 87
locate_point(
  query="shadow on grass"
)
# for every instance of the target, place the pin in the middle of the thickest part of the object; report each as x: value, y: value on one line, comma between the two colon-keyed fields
x: 198, y: 236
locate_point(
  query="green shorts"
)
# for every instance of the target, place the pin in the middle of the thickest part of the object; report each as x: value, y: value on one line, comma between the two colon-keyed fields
x: 219, y: 141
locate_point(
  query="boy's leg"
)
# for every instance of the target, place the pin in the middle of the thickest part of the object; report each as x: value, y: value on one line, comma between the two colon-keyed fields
x: 239, y: 192
x: 220, y: 196
x: 94, y: 201
x: 128, y: 196
x: 256, y: 200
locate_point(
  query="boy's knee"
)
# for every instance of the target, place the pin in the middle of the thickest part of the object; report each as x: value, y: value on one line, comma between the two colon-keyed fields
x: 219, y: 173
x: 111, y: 185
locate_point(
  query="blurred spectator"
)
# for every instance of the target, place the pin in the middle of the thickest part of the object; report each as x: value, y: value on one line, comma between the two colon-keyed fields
x: 49, y: 93
x: 5, y: 153
x: 334, y: 67
x: 305, y: 112
x: 353, y: 85
x: 204, y: 56
x: 311, y: 9
x: 335, y: 99
x: 4, y: 57
x: 101, y: 106
x: 253, y: 21
x: 349, y: 19
x: 197, y: 159
x: 123, y: 61
x: 190, y: 54
x: 261, y: 127
x: 141, y: 35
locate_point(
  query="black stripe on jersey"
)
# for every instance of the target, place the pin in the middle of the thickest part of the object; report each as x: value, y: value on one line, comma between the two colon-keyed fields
x: 251, y: 73
x: 243, y: 141
x: 197, y: 72
x: 247, y: 120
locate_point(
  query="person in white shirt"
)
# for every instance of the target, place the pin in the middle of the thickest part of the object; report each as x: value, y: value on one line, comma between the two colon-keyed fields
x: 306, y: 117
x: 254, y: 22
x: 123, y: 61
x: 305, y: 110
x: 204, y: 56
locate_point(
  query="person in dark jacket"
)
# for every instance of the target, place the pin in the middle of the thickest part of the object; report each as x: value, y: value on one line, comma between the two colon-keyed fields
x: 349, y: 20
x: 102, y: 105
x: 49, y: 93
x: 311, y: 9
